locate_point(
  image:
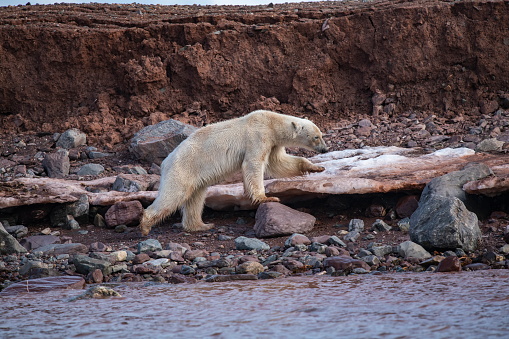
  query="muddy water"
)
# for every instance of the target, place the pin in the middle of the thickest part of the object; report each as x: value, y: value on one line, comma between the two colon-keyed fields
x: 423, y: 305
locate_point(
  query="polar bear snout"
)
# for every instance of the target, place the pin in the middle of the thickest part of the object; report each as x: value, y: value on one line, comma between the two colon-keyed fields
x: 323, y: 149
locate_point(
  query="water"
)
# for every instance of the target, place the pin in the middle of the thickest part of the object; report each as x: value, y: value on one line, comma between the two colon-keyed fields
x: 414, y: 305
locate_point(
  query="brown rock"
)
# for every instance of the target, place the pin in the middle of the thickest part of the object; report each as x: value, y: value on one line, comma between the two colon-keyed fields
x: 275, y: 219
x: 406, y: 206
x: 95, y: 277
x: 124, y: 213
x: 449, y: 264
x: 342, y: 263
x: 141, y: 258
x: 250, y: 267
x: 193, y: 254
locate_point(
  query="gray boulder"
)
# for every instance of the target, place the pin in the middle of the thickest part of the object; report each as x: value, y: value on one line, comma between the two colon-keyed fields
x: 8, y: 244
x: 154, y: 143
x: 442, y: 221
x: 275, y: 219
x: 149, y: 245
x: 356, y: 225
x: 445, y: 224
x: 85, y: 264
x: 72, y: 138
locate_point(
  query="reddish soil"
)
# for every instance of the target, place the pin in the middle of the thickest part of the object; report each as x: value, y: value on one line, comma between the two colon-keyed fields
x: 110, y: 69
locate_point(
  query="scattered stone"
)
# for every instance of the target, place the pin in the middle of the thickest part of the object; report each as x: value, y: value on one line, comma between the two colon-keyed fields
x: 490, y: 145
x: 71, y: 138
x: 71, y: 223
x: 78, y: 210
x: 297, y: 239
x: 85, y: 264
x: 476, y: 267
x: 193, y: 254
x: 244, y: 243
x: 140, y: 258
x: 371, y: 260
x: 17, y: 231
x: 343, y: 263
x: 99, y: 247
x: 56, y: 249
x: 57, y: 164
x: 250, y: 267
x: 356, y: 225
x: 154, y: 143
x: 404, y: 225
x: 121, y: 228
x: 90, y: 169
x: 270, y: 275
x: 449, y: 264
x: 124, y: 213
x: 98, y: 155
x: 122, y: 184
x: 152, y: 245
x: 381, y: 250
x: 233, y: 277
x: 9, y: 244
x: 409, y: 249
x: 275, y: 219
x: 380, y: 226
x: 352, y: 236
x: 335, y: 241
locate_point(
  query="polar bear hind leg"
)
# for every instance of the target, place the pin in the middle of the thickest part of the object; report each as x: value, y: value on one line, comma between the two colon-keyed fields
x: 192, y: 211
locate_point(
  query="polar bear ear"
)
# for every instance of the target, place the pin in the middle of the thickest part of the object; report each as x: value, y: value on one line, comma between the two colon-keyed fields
x: 295, y: 129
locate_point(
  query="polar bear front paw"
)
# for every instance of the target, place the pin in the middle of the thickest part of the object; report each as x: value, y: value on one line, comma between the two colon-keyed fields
x: 316, y: 169
x: 268, y: 199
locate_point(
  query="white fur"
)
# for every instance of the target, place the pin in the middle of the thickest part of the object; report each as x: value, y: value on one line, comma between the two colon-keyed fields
x: 254, y: 144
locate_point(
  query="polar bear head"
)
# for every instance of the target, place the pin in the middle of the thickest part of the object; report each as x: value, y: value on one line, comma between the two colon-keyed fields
x: 305, y: 134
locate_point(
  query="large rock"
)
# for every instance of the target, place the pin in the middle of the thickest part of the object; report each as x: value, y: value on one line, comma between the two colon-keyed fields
x: 85, y: 264
x: 44, y: 284
x: 154, y: 143
x: 445, y: 224
x: 275, y: 219
x: 124, y: 213
x: 72, y: 138
x: 57, y: 164
x: 9, y: 244
x: 442, y: 222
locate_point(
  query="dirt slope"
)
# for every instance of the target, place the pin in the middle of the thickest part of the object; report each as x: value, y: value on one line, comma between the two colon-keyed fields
x: 110, y: 69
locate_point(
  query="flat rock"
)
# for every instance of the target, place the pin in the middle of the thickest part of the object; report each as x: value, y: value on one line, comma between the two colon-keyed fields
x: 91, y: 169
x: 44, y: 285
x: 153, y: 143
x: 361, y: 171
x: 35, y: 241
x: 244, y: 243
x: 342, y: 263
x: 275, y: 219
x: 56, y: 249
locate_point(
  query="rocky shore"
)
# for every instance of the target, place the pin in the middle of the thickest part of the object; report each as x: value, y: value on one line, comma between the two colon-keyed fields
x: 94, y: 96
x: 342, y: 234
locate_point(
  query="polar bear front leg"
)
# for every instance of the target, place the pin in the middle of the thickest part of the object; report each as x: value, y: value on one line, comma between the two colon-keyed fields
x: 253, y: 182
x: 307, y: 166
x: 192, y: 211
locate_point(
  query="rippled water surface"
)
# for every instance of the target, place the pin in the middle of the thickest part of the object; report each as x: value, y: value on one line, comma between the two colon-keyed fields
x: 416, y: 305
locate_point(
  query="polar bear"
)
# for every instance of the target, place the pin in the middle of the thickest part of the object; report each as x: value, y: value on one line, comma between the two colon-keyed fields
x: 254, y: 144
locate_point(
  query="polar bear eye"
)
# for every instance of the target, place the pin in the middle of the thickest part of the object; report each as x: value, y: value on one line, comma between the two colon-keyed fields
x: 316, y: 137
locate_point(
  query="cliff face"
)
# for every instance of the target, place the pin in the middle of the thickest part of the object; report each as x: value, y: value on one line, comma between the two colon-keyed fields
x: 110, y: 69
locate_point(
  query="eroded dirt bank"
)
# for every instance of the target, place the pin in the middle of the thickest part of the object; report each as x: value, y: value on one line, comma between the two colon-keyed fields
x: 110, y: 69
